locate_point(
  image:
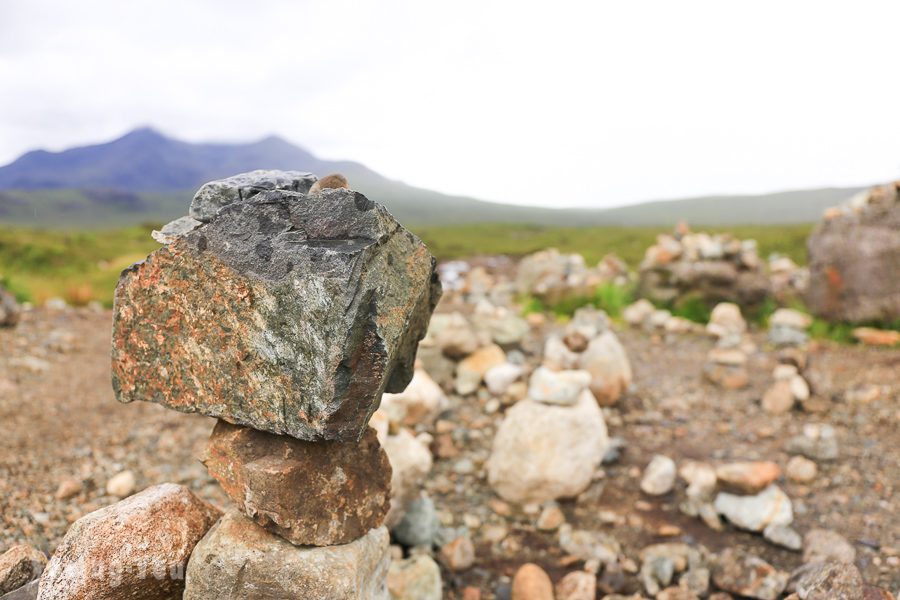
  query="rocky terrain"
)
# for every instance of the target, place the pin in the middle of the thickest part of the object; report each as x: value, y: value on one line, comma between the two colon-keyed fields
x: 373, y: 452
x: 67, y: 444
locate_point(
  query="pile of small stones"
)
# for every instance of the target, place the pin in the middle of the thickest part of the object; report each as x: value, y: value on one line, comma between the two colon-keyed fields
x: 700, y: 267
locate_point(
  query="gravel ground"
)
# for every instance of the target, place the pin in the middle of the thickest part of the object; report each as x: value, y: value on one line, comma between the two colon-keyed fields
x: 59, y: 421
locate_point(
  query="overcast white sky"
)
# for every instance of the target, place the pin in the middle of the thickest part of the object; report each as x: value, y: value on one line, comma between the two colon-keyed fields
x: 557, y: 103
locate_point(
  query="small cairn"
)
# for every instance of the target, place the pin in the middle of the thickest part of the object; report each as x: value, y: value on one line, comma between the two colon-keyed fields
x: 10, y: 313
x: 787, y: 332
x: 285, y: 311
x: 726, y: 364
x: 552, y: 276
x: 699, y: 267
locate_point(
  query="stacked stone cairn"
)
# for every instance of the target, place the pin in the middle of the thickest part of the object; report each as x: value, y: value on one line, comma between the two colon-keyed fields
x: 552, y: 276
x: 551, y: 443
x: 787, y: 332
x: 643, y: 314
x: 726, y: 364
x: 690, y: 267
x: 284, y: 311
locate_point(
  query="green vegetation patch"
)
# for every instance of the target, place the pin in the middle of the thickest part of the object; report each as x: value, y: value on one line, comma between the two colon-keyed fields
x: 84, y: 265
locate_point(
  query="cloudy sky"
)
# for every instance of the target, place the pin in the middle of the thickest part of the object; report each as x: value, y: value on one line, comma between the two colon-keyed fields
x: 560, y: 104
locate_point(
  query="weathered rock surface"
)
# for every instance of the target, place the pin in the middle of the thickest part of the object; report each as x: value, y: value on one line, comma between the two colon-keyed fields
x: 242, y: 187
x: 28, y: 591
x: 416, y: 578
x: 853, y: 257
x: 542, y: 452
x: 237, y: 559
x: 742, y: 573
x: 286, y: 313
x: 134, y: 549
x: 828, y: 581
x: 309, y: 493
x: 19, y: 565
x: 175, y: 229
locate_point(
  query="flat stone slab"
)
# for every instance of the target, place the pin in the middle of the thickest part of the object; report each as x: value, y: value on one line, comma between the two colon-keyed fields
x: 238, y: 559
x: 310, y: 493
x: 287, y: 313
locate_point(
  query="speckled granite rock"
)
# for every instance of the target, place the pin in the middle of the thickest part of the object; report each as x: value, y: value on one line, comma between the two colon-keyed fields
x: 239, y: 188
x: 134, y: 549
x: 237, y: 559
x: 286, y: 313
x: 310, y: 493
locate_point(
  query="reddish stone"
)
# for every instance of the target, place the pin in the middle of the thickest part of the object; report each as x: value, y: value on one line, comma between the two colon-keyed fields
x: 310, y: 493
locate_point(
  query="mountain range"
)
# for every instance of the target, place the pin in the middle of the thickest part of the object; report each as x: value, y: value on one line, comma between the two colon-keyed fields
x: 145, y: 176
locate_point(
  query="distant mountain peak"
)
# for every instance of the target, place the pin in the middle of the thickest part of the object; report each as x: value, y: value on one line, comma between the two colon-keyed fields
x: 147, y: 160
x: 144, y: 133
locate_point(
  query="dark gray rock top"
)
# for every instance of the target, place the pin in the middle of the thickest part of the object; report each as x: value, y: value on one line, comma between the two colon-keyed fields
x: 288, y: 313
x: 239, y: 188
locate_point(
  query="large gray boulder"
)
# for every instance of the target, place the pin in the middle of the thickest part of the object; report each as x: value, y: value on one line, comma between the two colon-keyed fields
x: 239, y: 188
x: 854, y: 255
x: 237, y: 559
x: 287, y: 313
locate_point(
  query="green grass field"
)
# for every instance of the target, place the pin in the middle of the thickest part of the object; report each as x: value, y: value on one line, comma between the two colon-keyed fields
x: 81, y: 266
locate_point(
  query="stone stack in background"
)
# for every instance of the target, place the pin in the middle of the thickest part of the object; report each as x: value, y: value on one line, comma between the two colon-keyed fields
x: 552, y: 276
x: 699, y: 267
x: 789, y: 281
x: 853, y: 256
x: 9, y: 309
x: 726, y: 364
x: 286, y: 315
x: 590, y: 345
